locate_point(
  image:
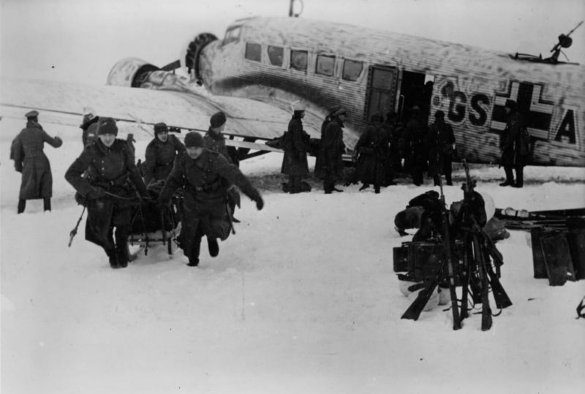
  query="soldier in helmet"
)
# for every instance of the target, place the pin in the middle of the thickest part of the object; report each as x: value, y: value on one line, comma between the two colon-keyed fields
x: 204, y: 176
x: 31, y: 161
x: 514, y: 144
x: 160, y: 154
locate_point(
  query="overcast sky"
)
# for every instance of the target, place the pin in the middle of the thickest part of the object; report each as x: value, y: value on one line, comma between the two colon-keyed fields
x: 80, y: 40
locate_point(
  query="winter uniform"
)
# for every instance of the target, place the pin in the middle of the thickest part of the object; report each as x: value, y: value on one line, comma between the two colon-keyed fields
x: 373, y: 150
x: 31, y: 161
x: 205, y: 181
x: 440, y: 141
x: 414, y: 135
x: 331, y: 152
x: 294, y: 162
x: 515, y: 147
x: 159, y: 156
x: 109, y: 188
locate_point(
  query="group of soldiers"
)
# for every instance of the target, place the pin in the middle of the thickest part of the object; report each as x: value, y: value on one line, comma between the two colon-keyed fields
x: 388, y: 147
x: 205, y: 172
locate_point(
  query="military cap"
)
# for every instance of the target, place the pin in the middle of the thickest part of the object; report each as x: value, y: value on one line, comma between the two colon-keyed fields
x: 160, y: 128
x: 217, y: 119
x: 298, y: 106
x: 31, y: 114
x: 439, y: 114
x: 511, y: 104
x: 107, y: 126
x: 340, y: 111
x: 194, y: 140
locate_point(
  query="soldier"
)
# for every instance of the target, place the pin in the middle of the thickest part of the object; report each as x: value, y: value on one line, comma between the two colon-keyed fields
x: 160, y: 154
x: 109, y: 190
x: 414, y: 135
x: 294, y: 162
x: 214, y: 140
x: 88, y: 126
x: 318, y: 161
x: 205, y: 177
x: 515, y: 146
x: 373, y: 150
x: 30, y: 160
x: 331, y: 151
x: 440, y: 142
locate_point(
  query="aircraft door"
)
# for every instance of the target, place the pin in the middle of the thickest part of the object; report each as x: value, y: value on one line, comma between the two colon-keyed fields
x: 381, y: 90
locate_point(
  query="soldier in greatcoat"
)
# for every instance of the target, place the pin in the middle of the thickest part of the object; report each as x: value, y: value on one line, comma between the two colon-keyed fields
x: 515, y: 146
x: 160, y: 154
x: 331, y: 151
x: 214, y: 140
x: 107, y: 179
x: 294, y: 162
x: 440, y: 143
x: 373, y: 151
x: 30, y: 160
x: 204, y: 176
x: 414, y: 134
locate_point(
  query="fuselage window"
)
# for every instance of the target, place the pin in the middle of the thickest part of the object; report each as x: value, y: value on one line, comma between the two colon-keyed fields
x: 352, y: 70
x: 298, y: 60
x: 275, y: 55
x: 325, y: 65
x: 253, y: 51
x: 232, y: 35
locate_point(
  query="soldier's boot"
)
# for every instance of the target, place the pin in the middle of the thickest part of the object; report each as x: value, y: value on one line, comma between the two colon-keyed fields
x: 436, y: 179
x: 364, y: 186
x: 509, y: 177
x: 194, y: 253
x: 122, y: 251
x: 21, y: 205
x: 213, y: 246
x: 113, y: 257
x: 294, y: 184
x: 47, y: 204
x: 519, y: 178
x: 449, y: 179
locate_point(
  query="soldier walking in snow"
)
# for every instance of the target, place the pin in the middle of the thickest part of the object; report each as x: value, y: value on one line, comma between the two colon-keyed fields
x: 30, y: 160
x: 160, y: 154
x: 205, y: 177
x: 109, y: 190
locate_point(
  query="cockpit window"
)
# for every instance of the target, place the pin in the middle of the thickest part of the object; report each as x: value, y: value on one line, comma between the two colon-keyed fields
x: 299, y: 60
x: 275, y: 55
x: 325, y: 65
x: 253, y: 51
x: 352, y: 70
x: 232, y: 34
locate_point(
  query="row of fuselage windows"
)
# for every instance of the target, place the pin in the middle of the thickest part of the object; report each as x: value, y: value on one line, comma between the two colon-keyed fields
x: 299, y: 60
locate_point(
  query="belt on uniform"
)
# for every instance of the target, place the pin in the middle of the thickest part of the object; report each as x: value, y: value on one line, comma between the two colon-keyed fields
x: 207, y: 187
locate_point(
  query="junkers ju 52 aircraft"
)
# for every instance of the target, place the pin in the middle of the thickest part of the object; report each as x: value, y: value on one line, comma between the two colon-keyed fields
x: 263, y: 64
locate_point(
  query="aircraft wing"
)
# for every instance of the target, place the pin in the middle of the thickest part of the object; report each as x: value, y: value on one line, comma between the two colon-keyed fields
x: 63, y: 103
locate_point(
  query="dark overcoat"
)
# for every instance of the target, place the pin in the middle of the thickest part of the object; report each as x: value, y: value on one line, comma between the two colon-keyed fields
x: 113, y: 170
x: 294, y: 162
x: 513, y: 153
x: 373, y: 150
x: 332, y: 148
x: 439, y: 142
x: 204, y: 182
x: 159, y: 158
x: 30, y: 159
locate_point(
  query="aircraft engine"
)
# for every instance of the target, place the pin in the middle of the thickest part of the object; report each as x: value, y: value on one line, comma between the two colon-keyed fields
x: 191, y: 55
x: 130, y: 73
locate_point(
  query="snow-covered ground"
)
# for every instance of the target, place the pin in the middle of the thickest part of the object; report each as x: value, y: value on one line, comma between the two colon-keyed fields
x: 303, y: 299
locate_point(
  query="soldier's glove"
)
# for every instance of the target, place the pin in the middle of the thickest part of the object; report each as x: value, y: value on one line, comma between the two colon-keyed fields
x: 18, y: 168
x: 259, y: 203
x: 96, y: 193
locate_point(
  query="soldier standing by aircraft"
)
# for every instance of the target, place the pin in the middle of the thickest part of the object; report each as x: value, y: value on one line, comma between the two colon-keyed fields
x: 373, y: 149
x: 30, y: 160
x: 414, y: 135
x: 109, y: 190
x: 319, y: 160
x: 393, y: 163
x: 295, y: 142
x: 214, y: 140
x: 515, y: 146
x: 331, y: 151
x: 205, y: 177
x: 440, y: 143
x: 88, y: 126
x: 160, y: 154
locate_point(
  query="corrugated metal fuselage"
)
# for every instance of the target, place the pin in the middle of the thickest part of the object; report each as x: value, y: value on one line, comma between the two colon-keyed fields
x: 324, y: 64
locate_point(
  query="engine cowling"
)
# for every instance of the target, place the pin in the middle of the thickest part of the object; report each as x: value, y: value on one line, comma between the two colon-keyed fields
x: 192, y: 53
x: 130, y: 72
